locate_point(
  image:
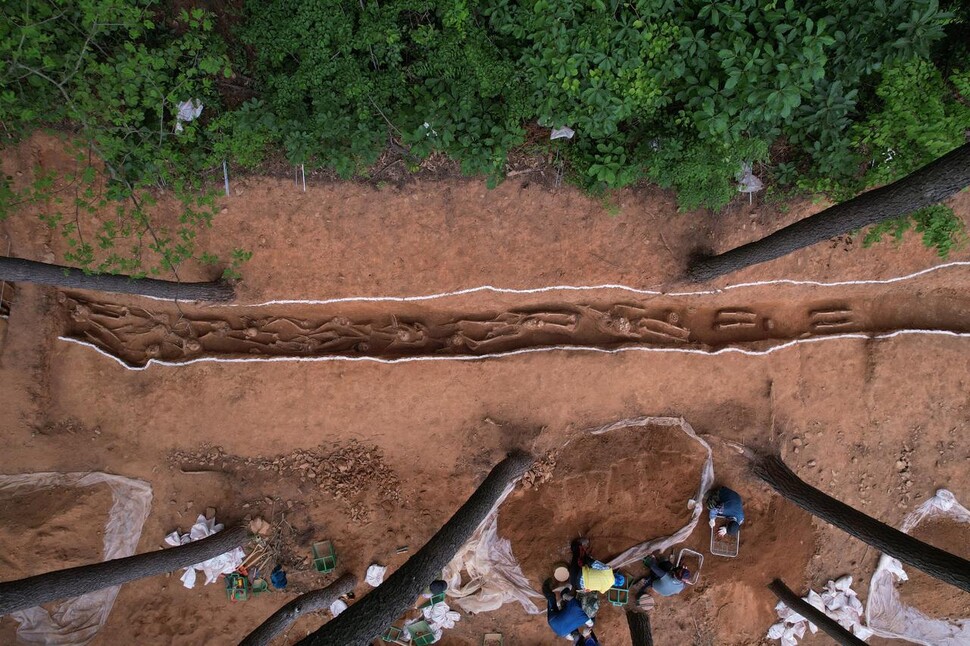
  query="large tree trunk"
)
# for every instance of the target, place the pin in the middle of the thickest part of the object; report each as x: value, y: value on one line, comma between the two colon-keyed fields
x: 18, y: 270
x: 369, y: 617
x: 75, y: 581
x: 931, y: 184
x: 829, y: 626
x: 313, y: 601
x: 639, y: 623
x: 945, y: 566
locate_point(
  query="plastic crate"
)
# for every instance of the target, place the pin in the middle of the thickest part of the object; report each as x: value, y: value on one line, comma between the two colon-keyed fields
x: 324, y: 557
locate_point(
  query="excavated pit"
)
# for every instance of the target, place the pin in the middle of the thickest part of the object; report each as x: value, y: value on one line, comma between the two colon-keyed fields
x: 752, y: 318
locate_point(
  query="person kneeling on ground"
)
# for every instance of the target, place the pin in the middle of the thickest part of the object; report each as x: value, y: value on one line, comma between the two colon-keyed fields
x: 568, y: 619
x: 725, y: 503
x: 588, y: 575
x: 664, y: 578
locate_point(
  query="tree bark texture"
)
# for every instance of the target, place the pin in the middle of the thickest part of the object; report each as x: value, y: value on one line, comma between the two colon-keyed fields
x: 931, y: 184
x: 29, y: 271
x: 75, y: 581
x: 944, y: 566
x: 313, y: 601
x: 639, y: 623
x: 829, y: 626
x: 369, y: 617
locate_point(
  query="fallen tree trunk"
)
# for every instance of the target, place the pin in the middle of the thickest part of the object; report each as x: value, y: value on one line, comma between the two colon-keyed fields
x: 313, y: 601
x: 369, y: 617
x: 75, y: 581
x: 946, y: 567
x: 639, y: 623
x: 829, y: 626
x: 931, y: 184
x: 17, y: 270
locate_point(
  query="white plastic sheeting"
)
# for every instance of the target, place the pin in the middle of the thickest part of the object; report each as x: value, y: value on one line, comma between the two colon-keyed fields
x: 838, y: 600
x: 76, y: 621
x: 562, y: 133
x: 748, y: 182
x: 375, y: 575
x: 886, y: 615
x: 494, y: 576
x: 188, y: 111
x: 338, y: 606
x: 217, y: 565
x: 440, y: 617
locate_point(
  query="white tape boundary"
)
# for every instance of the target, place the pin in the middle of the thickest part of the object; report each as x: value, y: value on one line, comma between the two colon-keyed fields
x: 585, y: 288
x: 511, y: 353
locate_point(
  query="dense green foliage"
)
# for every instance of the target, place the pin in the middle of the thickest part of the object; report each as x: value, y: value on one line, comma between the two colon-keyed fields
x: 822, y: 96
x: 679, y: 92
x: 114, y: 71
x: 937, y: 224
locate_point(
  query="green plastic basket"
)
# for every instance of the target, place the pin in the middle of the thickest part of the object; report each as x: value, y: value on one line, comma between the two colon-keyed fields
x: 324, y: 557
x: 393, y: 634
x: 237, y: 587
x: 421, y: 634
x: 619, y: 595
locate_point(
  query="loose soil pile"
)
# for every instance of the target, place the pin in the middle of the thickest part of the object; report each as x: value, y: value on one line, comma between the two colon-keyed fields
x: 619, y: 489
x: 928, y: 594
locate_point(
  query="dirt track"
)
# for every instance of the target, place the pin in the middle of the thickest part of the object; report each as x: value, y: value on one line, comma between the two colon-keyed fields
x: 844, y: 412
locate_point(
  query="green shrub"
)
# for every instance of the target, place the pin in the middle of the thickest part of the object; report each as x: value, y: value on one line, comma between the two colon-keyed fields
x: 703, y: 173
x: 938, y: 225
x: 920, y: 119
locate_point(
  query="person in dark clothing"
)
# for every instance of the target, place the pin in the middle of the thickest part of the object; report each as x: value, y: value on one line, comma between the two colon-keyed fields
x: 725, y: 503
x: 665, y: 578
x: 567, y: 619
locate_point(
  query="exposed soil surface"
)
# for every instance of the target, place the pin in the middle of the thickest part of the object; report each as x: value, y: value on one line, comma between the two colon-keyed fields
x: 57, y: 525
x: 844, y: 413
x: 928, y: 594
x: 616, y: 488
x: 45, y: 529
x: 708, y: 321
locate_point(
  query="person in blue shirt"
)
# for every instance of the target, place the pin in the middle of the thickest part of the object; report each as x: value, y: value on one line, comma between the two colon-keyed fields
x: 725, y: 503
x: 664, y: 578
x: 567, y: 619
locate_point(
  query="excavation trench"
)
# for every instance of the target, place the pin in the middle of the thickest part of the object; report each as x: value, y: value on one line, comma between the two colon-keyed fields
x: 754, y: 319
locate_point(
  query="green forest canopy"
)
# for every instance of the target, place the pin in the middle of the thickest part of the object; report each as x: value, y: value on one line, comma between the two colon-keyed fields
x: 825, y: 96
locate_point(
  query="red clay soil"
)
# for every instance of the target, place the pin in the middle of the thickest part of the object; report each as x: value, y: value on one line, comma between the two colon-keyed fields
x: 57, y: 525
x: 928, y: 594
x: 842, y: 412
x: 619, y: 488
x: 52, y: 528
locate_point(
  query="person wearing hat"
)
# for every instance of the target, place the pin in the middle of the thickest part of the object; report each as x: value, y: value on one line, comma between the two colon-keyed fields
x: 567, y: 619
x: 665, y: 578
x: 589, y: 575
x: 725, y: 503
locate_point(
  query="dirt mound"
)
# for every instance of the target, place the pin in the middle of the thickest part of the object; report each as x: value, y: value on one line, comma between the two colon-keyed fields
x: 619, y: 489
x: 928, y: 594
x: 52, y: 529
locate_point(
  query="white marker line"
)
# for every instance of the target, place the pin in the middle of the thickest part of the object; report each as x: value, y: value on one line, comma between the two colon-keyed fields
x: 511, y: 353
x: 573, y: 288
x: 584, y: 288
